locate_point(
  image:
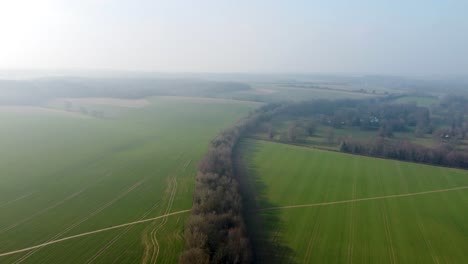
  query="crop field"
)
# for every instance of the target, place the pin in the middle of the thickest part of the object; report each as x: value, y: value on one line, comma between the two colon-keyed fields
x: 328, y: 207
x: 419, y: 100
x: 100, y: 164
x: 275, y: 93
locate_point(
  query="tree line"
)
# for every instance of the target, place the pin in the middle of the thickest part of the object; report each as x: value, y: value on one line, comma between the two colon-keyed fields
x: 443, y: 155
x: 42, y: 90
x: 444, y: 121
x: 215, y: 231
x: 373, y: 114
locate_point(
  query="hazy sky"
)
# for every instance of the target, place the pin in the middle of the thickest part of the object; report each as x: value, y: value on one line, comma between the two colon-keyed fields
x: 371, y: 36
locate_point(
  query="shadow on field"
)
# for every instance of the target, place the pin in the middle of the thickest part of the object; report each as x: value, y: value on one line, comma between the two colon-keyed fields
x: 264, y: 227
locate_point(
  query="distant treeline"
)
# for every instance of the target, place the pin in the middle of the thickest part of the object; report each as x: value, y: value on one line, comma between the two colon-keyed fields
x: 39, y: 91
x: 215, y: 231
x: 374, y: 114
x: 444, y: 121
x: 443, y: 155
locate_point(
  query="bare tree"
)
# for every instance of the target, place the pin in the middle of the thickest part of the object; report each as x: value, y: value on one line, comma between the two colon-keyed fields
x: 330, y: 136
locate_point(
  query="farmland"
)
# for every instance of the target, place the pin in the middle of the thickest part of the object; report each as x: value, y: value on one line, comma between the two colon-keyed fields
x: 328, y: 207
x: 419, y: 100
x: 275, y: 92
x: 112, y: 180
x: 64, y: 173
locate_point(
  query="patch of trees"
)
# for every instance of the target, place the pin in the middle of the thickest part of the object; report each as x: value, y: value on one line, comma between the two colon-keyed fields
x: 445, y: 121
x: 443, y: 155
x: 451, y: 114
x: 215, y: 231
x: 366, y: 114
x: 296, y: 131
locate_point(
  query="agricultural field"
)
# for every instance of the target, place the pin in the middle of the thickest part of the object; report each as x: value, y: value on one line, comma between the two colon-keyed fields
x: 274, y: 92
x: 78, y: 166
x: 279, y: 93
x: 426, y: 101
x: 320, y: 206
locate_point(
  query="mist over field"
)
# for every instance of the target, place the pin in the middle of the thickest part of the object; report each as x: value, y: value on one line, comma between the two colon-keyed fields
x: 384, y: 37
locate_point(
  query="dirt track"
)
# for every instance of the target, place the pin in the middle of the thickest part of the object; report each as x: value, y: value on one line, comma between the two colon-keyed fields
x: 97, y: 211
x: 364, y: 199
x: 15, y: 200
x: 91, y: 232
x: 264, y: 209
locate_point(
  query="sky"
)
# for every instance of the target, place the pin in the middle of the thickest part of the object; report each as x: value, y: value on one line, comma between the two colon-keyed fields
x: 402, y: 37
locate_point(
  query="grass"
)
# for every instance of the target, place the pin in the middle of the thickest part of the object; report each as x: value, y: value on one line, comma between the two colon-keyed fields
x: 414, y: 229
x: 277, y: 92
x: 425, y: 101
x: 303, y: 94
x: 62, y: 175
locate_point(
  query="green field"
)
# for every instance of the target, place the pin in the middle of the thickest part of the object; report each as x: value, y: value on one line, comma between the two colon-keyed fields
x: 279, y: 93
x: 419, y: 228
x: 63, y: 174
x: 275, y: 92
x: 426, y: 101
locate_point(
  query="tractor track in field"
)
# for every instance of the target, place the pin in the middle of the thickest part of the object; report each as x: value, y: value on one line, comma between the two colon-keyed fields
x: 155, y: 254
x: 108, y: 245
x: 188, y: 210
x: 386, y: 225
x: 15, y: 200
x: 364, y: 199
x: 155, y: 248
x: 388, y: 234
x: 91, y: 233
x: 73, y: 195
x: 44, y: 210
x: 315, y: 235
x: 422, y: 229
x: 95, y: 212
x: 352, y: 225
x: 118, y: 236
x: 152, y: 248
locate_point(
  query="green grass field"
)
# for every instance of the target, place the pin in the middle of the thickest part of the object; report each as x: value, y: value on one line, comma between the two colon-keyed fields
x: 426, y: 101
x: 276, y: 93
x: 420, y: 228
x: 63, y: 174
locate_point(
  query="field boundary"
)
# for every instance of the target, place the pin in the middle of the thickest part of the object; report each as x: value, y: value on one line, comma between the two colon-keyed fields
x: 92, y: 232
x: 363, y: 199
x: 312, y: 147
